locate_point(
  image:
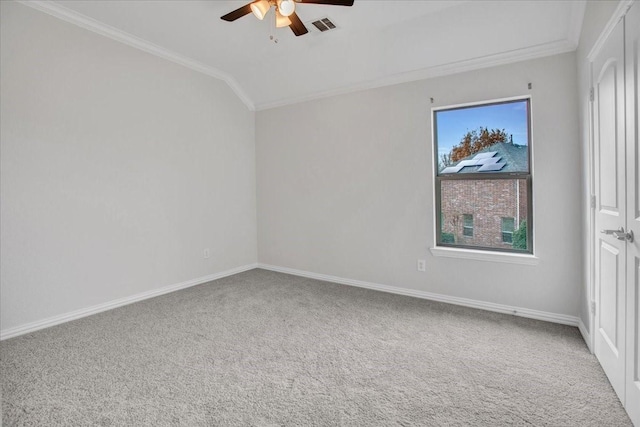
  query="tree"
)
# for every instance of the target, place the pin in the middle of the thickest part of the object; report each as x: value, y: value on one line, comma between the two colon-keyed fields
x: 445, y: 160
x: 520, y: 236
x: 455, y: 221
x: 448, y: 237
x: 474, y: 141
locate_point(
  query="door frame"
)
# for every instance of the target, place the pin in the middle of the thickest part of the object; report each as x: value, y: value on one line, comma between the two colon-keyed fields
x: 617, y: 16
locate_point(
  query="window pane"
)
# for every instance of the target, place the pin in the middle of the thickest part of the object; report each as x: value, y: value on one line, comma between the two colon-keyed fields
x: 468, y: 225
x: 487, y: 203
x: 508, y: 226
x: 490, y: 138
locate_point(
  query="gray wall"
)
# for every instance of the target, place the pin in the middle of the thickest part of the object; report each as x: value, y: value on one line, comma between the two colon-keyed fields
x: 117, y: 169
x: 597, y: 14
x: 345, y: 187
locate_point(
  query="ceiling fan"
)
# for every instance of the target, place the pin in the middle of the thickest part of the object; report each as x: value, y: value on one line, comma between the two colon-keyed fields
x: 285, y: 12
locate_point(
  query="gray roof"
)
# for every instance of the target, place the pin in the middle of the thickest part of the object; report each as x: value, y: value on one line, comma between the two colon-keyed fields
x: 500, y: 157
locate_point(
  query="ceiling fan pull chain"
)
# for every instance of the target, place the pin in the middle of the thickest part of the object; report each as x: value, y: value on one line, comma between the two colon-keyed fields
x: 272, y: 29
x: 285, y: 13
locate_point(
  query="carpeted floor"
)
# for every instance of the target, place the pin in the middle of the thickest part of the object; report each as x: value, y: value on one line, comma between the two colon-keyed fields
x: 265, y: 349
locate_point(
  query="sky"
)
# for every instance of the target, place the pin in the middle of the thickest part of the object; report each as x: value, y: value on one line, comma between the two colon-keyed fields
x: 452, y: 125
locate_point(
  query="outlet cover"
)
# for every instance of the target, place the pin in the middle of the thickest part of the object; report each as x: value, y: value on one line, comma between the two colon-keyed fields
x: 422, y: 265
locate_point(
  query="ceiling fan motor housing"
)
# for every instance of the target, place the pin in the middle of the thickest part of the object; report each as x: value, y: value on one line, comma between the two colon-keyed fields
x: 286, y: 7
x: 285, y: 12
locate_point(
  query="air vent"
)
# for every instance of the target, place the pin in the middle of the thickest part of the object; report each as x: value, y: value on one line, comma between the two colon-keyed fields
x: 323, y: 25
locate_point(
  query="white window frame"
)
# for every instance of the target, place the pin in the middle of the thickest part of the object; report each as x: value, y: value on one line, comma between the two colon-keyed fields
x: 477, y: 254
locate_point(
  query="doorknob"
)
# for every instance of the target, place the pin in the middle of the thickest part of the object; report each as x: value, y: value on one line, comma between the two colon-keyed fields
x: 620, y: 234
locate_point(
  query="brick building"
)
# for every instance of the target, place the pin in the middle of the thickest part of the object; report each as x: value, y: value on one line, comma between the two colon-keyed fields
x: 485, y: 213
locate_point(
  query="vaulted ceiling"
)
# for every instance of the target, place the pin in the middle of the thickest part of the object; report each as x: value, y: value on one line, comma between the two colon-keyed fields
x: 377, y: 42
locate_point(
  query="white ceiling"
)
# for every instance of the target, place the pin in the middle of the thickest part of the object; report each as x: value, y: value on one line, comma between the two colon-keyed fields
x: 378, y: 42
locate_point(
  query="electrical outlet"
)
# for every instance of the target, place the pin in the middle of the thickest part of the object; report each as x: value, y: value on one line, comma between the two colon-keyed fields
x: 206, y: 253
x: 422, y: 265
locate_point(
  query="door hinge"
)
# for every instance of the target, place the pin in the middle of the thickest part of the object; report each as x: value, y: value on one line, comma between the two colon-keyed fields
x: 593, y: 308
x: 591, y: 95
x: 593, y: 201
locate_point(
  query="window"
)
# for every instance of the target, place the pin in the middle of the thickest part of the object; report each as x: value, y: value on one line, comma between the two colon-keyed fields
x: 508, y: 227
x: 467, y: 228
x: 483, y: 176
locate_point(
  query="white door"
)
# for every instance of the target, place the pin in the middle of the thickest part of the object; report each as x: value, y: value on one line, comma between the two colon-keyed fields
x: 632, y: 60
x: 610, y: 187
x: 616, y: 101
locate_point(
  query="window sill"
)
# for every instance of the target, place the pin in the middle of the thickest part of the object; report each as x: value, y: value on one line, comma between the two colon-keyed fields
x: 509, y: 258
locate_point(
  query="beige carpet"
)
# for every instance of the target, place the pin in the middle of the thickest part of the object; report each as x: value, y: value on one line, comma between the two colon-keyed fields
x: 268, y: 349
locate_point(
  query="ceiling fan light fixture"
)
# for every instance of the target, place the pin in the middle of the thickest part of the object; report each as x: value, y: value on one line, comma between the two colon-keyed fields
x: 282, y: 21
x: 260, y: 8
x: 286, y: 7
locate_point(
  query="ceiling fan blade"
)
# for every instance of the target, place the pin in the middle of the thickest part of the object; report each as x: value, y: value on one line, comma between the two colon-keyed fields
x: 297, y: 26
x: 238, y: 13
x: 329, y: 2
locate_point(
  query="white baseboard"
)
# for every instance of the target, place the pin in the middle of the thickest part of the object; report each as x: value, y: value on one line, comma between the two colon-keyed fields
x: 499, y: 308
x: 489, y: 306
x: 84, y: 312
x: 585, y: 334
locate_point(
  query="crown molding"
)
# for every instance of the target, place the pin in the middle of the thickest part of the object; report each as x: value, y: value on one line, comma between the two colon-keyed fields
x: 518, y: 55
x: 533, y: 52
x: 103, y: 29
x: 618, y: 14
